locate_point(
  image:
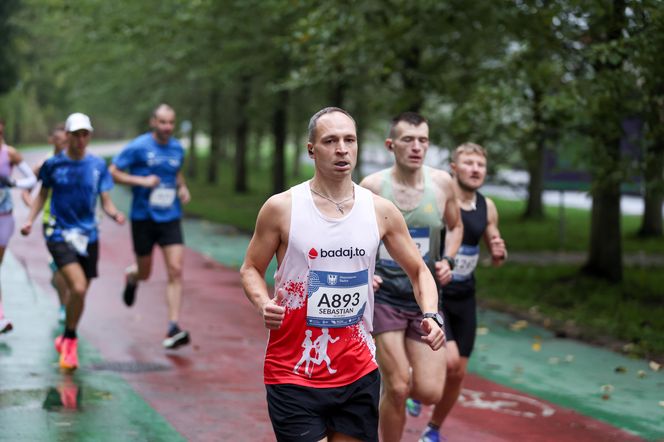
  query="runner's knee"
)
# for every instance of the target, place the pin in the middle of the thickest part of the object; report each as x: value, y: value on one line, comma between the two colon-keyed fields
x: 174, y: 272
x: 398, y: 390
x: 456, y: 375
x: 78, y: 290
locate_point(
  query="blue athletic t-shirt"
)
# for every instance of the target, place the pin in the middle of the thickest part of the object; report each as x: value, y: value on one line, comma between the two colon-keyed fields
x: 75, y: 185
x: 145, y: 156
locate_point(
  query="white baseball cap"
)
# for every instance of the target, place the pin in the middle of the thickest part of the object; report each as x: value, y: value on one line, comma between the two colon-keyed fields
x: 78, y: 121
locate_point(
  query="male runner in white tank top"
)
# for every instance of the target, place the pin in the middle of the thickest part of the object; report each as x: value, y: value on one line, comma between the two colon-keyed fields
x: 425, y: 197
x: 320, y: 371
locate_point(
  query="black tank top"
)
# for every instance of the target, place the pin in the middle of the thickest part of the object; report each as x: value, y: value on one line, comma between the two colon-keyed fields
x: 463, y: 276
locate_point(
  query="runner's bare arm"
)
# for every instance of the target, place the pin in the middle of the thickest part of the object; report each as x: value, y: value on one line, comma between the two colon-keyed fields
x: 122, y: 177
x: 268, y: 239
x: 399, y: 244
x: 373, y: 183
x: 492, y: 238
x: 183, y: 190
x: 26, y: 195
x: 37, y: 206
x: 109, y: 208
x: 453, y: 226
x: 29, y: 179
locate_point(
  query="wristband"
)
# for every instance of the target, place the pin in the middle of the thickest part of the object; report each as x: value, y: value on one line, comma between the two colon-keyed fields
x: 450, y: 261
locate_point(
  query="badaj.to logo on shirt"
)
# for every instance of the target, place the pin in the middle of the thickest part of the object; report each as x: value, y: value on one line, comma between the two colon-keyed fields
x: 349, y: 252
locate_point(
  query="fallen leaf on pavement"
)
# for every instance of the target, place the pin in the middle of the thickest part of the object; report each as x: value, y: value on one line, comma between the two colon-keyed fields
x: 518, y: 325
x: 481, y: 331
x: 654, y: 366
x: 620, y: 369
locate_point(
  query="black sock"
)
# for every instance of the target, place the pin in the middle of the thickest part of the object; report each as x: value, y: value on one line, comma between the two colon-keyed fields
x: 434, y: 426
x: 69, y: 333
x: 173, y: 328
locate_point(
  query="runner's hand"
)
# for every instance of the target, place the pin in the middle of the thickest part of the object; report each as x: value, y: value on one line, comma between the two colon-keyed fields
x: 443, y: 272
x: 498, y: 250
x: 183, y: 194
x: 377, y: 281
x: 26, y: 229
x: 435, y: 335
x: 119, y: 218
x: 151, y: 181
x: 272, y: 311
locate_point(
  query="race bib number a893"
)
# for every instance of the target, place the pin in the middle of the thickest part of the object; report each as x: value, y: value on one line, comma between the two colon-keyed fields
x: 336, y: 299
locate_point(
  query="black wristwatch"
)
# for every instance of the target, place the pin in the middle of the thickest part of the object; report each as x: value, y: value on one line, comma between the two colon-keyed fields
x: 450, y: 261
x: 436, y: 317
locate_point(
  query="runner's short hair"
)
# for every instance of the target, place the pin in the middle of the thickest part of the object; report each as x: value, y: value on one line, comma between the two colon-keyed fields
x: 314, y: 120
x: 468, y: 147
x: 412, y: 118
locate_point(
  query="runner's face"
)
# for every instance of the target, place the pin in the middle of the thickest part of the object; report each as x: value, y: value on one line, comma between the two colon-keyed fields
x: 470, y: 170
x: 79, y: 140
x: 410, y: 145
x: 163, y: 125
x: 335, y: 147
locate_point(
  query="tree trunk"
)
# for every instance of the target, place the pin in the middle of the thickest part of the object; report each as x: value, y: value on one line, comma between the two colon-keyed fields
x: 361, y: 119
x: 605, y: 256
x: 338, y: 92
x: 299, y: 143
x: 192, y: 166
x: 257, y: 149
x: 651, y: 223
x: 215, y: 136
x: 535, y: 206
x: 412, y: 81
x: 280, y: 130
x: 241, y: 134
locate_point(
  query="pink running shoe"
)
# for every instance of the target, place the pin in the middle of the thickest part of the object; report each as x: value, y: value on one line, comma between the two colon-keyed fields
x: 69, y: 354
x: 58, y: 343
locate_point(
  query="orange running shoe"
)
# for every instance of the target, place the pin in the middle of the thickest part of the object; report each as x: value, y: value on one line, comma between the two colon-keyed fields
x: 69, y: 354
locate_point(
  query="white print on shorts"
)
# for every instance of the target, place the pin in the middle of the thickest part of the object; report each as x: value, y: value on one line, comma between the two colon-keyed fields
x: 319, y: 346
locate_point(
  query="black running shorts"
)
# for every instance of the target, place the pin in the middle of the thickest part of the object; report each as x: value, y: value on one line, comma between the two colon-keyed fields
x: 307, y: 414
x: 64, y: 254
x: 461, y: 322
x: 147, y: 233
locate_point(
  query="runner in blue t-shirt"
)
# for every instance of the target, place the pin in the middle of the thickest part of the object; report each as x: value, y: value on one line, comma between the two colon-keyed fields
x: 152, y: 164
x: 75, y: 180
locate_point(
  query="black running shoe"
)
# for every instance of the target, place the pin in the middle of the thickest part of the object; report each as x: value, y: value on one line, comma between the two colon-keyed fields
x: 176, y: 339
x: 129, y: 295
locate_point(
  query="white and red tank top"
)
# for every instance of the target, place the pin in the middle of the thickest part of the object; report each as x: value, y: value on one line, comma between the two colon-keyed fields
x: 325, y: 339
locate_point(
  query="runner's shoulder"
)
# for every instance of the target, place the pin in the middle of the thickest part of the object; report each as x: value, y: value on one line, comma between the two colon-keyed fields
x: 278, y: 204
x: 373, y: 181
x: 440, y: 176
